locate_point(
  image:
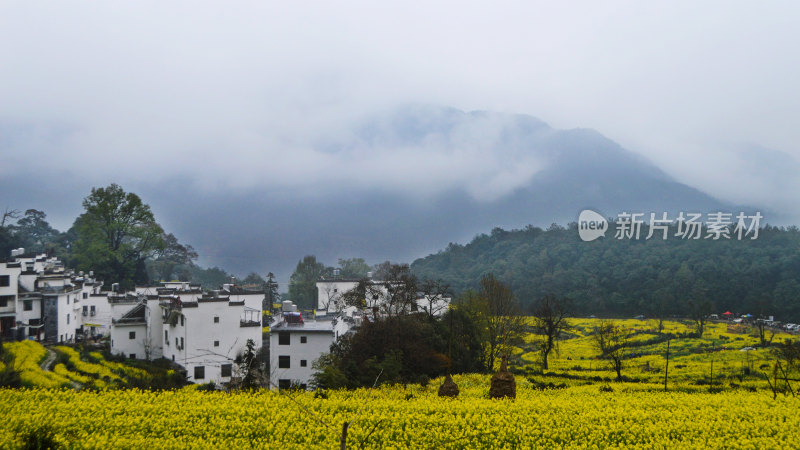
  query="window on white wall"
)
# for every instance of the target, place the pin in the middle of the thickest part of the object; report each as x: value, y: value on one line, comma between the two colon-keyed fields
x: 226, y: 370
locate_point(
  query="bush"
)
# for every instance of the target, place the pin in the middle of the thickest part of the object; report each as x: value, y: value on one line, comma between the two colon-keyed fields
x: 210, y: 386
x: 40, y: 438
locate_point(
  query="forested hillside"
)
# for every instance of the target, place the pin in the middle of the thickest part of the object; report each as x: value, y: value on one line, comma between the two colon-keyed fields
x: 654, y: 277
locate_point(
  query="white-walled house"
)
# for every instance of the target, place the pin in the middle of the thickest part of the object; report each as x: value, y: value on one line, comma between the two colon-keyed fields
x: 41, y: 300
x: 295, y: 344
x: 330, y: 292
x: 10, y: 307
x: 203, y: 332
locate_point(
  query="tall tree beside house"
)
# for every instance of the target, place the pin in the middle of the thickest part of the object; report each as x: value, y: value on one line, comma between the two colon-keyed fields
x: 172, y: 261
x: 116, y: 234
x: 8, y: 241
x: 271, y: 295
x: 33, y: 232
x: 354, y: 268
x: 303, y: 282
x: 253, y: 279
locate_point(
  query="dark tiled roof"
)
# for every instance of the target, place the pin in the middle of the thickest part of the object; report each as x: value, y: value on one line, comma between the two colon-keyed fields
x: 135, y: 315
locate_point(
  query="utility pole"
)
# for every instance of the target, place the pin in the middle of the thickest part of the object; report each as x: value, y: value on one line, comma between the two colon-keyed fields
x: 666, y: 368
x: 711, y: 386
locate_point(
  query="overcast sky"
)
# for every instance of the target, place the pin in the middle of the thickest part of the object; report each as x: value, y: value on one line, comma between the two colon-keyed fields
x: 236, y: 96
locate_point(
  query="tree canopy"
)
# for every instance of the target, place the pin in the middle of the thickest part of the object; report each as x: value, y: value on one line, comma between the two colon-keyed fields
x: 115, y: 235
x: 653, y: 277
x: 303, y: 282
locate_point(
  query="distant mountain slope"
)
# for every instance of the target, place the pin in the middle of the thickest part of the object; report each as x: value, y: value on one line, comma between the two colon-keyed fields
x: 397, y: 185
x: 574, y: 169
x: 539, y: 175
x: 629, y: 277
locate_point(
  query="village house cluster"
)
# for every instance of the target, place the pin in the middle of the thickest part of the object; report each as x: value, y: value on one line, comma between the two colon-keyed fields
x: 203, y: 331
x: 41, y: 300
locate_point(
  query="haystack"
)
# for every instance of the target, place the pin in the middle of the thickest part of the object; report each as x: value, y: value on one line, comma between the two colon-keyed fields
x: 503, y: 383
x: 449, y: 388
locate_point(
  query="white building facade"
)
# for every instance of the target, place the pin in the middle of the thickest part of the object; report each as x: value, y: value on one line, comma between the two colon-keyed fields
x: 295, y: 345
x: 41, y: 300
x: 204, y: 332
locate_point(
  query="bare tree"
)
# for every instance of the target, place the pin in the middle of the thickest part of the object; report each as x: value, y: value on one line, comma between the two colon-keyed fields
x: 613, y: 342
x: 400, y: 287
x: 504, y: 321
x: 761, y: 323
x: 434, y: 293
x: 763, y: 331
x: 9, y: 214
x: 365, y: 294
x: 332, y: 297
x: 549, y: 321
x: 699, y: 308
x: 786, y: 368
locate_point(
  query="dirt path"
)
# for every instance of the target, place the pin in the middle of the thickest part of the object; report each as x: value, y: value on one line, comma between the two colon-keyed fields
x: 46, y: 365
x: 48, y: 362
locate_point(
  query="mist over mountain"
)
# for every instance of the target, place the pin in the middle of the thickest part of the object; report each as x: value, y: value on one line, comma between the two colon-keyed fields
x: 398, y: 185
x: 542, y: 176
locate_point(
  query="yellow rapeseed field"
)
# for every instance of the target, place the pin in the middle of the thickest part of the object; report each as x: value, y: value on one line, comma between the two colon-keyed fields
x: 576, y: 417
x: 589, y: 410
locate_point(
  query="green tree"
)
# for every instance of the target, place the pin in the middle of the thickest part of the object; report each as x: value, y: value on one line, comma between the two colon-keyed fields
x: 116, y: 234
x: 253, y: 279
x: 271, y: 295
x: 303, y: 282
x: 353, y: 268
x: 33, y: 232
x: 249, y: 367
x: 172, y: 261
